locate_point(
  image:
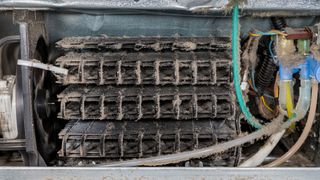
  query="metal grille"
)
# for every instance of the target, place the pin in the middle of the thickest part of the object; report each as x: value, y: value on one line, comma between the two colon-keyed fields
x: 150, y: 68
x: 146, y: 96
x: 129, y: 139
x: 91, y: 102
x: 145, y: 43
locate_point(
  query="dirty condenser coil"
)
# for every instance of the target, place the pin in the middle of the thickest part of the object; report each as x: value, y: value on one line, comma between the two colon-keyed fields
x: 137, y: 97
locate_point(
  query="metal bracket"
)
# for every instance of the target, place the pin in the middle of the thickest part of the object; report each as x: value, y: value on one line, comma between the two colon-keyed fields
x: 32, y: 157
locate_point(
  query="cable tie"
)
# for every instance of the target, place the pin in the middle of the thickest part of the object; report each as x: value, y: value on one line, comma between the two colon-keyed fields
x: 37, y: 64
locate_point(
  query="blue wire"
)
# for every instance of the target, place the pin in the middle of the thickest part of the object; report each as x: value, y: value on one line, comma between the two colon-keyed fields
x: 265, y: 34
x: 268, y: 96
x: 271, y: 53
x: 253, y: 83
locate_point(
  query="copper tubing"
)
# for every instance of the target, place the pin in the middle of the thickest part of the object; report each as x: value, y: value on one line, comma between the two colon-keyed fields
x: 304, y: 133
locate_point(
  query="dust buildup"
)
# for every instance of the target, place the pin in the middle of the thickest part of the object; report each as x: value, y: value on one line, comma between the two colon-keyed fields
x: 153, y: 138
x: 315, y: 50
x: 146, y: 96
x: 126, y: 104
x: 287, y: 53
x: 253, y: 58
x: 186, y: 46
x: 157, y: 44
x: 229, y: 6
x: 167, y: 68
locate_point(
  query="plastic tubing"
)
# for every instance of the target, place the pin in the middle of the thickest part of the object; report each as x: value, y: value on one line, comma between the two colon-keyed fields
x: 275, y: 126
x: 301, y: 110
x: 305, y: 131
x: 303, y: 104
x: 235, y: 67
x: 264, y: 151
x: 284, y: 87
x: 289, y: 103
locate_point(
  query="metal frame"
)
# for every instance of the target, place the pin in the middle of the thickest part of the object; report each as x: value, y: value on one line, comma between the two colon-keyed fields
x: 35, y: 173
x: 306, y: 7
x: 28, y: 38
x: 31, y: 149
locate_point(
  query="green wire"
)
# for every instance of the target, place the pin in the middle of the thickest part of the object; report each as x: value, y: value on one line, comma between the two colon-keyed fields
x: 235, y: 54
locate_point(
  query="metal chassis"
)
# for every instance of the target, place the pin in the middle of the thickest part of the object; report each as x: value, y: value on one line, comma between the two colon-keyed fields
x: 28, y: 144
x: 31, y: 26
x: 35, y: 173
x: 253, y: 7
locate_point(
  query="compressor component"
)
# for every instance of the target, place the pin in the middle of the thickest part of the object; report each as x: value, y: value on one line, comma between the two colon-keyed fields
x: 8, y: 117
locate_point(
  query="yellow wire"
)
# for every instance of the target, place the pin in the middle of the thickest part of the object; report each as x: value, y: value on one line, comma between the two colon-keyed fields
x: 272, y: 31
x: 289, y: 103
x: 262, y: 99
x: 278, y: 32
x: 254, y: 35
x: 265, y: 104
